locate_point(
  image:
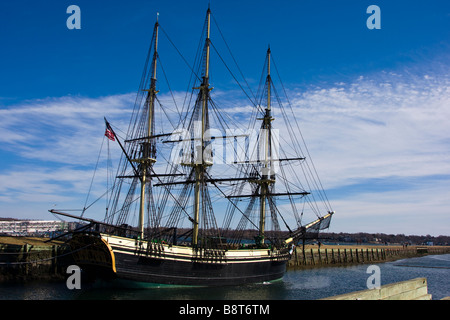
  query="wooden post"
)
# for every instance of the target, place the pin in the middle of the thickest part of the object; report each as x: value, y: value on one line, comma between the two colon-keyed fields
x: 26, y: 257
x: 312, y: 257
x: 295, y: 257
x: 304, y: 256
x: 53, y: 263
x: 320, y: 256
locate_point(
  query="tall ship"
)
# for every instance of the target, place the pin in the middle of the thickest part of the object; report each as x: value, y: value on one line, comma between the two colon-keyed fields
x: 205, y: 197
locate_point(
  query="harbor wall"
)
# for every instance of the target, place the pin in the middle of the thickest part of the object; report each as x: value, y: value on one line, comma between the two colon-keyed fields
x: 332, y: 256
x: 30, y: 262
x: 415, y: 289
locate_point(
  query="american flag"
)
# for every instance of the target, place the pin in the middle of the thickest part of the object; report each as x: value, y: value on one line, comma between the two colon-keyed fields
x: 109, y: 134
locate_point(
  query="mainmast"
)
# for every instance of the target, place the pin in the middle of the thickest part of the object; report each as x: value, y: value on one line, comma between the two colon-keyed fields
x: 147, y: 158
x: 199, y: 163
x: 267, y: 177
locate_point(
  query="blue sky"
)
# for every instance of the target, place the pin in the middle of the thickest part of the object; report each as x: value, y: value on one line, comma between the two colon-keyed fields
x: 373, y: 105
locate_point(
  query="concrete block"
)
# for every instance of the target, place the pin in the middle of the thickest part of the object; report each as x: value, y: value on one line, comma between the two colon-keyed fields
x: 415, y: 289
x: 424, y: 297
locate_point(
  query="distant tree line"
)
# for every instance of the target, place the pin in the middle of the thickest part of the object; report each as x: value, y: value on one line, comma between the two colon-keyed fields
x: 382, y: 238
x: 360, y: 237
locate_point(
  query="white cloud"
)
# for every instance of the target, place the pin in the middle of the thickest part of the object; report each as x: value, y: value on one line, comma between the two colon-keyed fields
x: 63, y: 130
x: 384, y: 129
x: 372, y: 130
x: 53, y: 146
x: 421, y: 210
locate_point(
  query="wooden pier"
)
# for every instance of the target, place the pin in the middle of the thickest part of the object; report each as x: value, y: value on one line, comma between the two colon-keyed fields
x: 26, y: 258
x: 313, y: 256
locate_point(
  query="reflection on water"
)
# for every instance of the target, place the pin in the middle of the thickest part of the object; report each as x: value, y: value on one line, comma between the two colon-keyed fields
x: 260, y: 291
x: 437, y: 261
x: 296, y: 285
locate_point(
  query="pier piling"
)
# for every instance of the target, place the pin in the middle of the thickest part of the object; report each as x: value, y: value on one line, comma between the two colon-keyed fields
x: 313, y: 256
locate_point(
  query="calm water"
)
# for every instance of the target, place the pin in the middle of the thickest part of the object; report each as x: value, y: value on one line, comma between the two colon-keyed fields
x: 296, y: 285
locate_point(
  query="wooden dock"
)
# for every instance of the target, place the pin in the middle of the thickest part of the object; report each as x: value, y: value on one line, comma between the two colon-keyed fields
x: 312, y: 256
x: 27, y: 258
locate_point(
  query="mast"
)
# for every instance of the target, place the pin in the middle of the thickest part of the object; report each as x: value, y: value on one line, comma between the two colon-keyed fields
x: 147, y: 153
x: 200, y: 165
x: 266, y: 177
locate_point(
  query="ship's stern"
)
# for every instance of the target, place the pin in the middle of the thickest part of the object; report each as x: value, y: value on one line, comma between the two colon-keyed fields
x: 93, y: 255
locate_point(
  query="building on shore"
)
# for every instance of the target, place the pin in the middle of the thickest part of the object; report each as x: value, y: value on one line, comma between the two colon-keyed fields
x: 13, y: 227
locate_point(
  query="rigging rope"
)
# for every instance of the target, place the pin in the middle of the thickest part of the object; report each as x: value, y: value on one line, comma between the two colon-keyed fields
x: 93, y: 176
x: 235, y: 62
x: 235, y: 79
x: 181, y: 55
x: 301, y: 135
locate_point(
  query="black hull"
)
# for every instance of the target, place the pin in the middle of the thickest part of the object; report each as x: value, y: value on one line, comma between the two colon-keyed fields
x: 170, y: 272
x: 119, y: 258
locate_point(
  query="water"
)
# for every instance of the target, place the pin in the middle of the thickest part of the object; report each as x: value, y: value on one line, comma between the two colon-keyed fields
x: 296, y: 285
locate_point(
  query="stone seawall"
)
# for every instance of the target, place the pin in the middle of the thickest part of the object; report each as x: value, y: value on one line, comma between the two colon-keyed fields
x: 32, y: 261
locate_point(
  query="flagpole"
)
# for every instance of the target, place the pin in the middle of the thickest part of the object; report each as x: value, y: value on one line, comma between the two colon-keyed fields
x: 108, y: 126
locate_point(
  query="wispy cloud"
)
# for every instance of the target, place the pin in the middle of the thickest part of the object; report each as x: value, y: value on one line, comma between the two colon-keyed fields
x: 62, y: 130
x: 51, y: 148
x: 379, y: 127
x: 381, y: 145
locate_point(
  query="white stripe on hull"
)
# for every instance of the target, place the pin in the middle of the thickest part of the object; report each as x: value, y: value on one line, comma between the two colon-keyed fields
x: 182, y: 253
